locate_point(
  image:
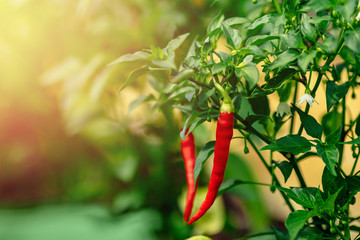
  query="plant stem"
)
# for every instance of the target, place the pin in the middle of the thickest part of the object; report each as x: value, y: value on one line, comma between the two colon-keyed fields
x: 251, y: 129
x: 200, y: 84
x: 354, y: 166
x: 342, y: 137
x: 297, y: 171
x: 352, y: 124
x: 290, y: 158
x: 269, y: 170
x: 293, y: 110
x: 277, y: 6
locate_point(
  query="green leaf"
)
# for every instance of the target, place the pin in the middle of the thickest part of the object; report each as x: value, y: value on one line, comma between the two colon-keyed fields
x: 260, y: 105
x: 292, y: 39
x: 280, y: 77
x: 330, y: 121
x: 236, y: 21
x: 334, y: 93
x: 229, y: 184
x: 284, y: 58
x: 296, y: 221
x: 355, y: 141
x: 258, y: 92
x: 306, y: 197
x: 179, y: 91
x: 201, y: 158
x: 215, y: 23
x: 331, y: 183
x: 348, y: 55
x: 184, y: 75
x: 250, y: 73
x: 258, y: 22
x: 192, y: 59
x: 141, y: 55
x: 316, y: 5
x: 176, y: 42
x: 233, y: 36
x: 352, y: 39
x: 257, y: 117
x: 190, y: 94
x: 329, y: 155
x: 311, y: 126
x: 329, y: 204
x: 329, y: 45
x: 319, y: 19
x: 225, y: 57
x: 305, y: 59
x: 142, y: 99
x: 353, y: 183
x: 204, y: 95
x: 285, y: 168
x: 307, y: 28
x: 334, y: 137
x: 218, y: 67
x: 259, y: 39
x: 231, y: 22
x: 294, y: 144
x: 280, y: 234
x: 347, y: 9
x: 185, y: 109
x: 285, y: 91
x: 137, y: 73
x: 191, y: 123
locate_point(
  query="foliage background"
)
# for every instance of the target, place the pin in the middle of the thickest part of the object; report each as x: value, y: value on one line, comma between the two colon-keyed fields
x: 73, y: 163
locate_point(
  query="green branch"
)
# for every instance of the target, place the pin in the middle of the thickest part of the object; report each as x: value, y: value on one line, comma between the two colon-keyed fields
x: 269, y: 170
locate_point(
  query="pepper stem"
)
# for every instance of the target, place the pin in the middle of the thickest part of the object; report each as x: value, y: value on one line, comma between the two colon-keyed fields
x: 227, y: 105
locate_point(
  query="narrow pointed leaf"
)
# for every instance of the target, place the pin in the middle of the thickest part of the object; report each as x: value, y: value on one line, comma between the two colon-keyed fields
x: 285, y: 168
x: 201, y: 158
x: 334, y: 93
x: 307, y: 29
x: 311, y: 126
x: 296, y: 221
x: 137, y: 102
x: 329, y: 155
x: 305, y: 59
x: 141, y: 55
x: 284, y: 58
x: 137, y: 73
x: 250, y: 74
x: 232, y: 35
x: 294, y: 144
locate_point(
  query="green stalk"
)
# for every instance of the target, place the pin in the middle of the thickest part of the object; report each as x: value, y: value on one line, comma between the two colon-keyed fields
x: 249, y: 128
x: 269, y: 170
x: 293, y: 110
x: 227, y: 105
x: 297, y: 171
x: 342, y: 137
x: 354, y: 165
x: 277, y: 6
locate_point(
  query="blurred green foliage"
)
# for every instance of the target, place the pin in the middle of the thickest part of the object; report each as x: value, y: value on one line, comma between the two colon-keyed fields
x: 65, y: 135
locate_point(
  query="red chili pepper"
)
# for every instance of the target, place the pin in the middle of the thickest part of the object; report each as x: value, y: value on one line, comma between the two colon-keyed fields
x: 188, y: 154
x: 224, y: 133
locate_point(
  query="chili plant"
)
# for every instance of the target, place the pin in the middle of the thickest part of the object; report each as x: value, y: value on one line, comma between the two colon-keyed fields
x: 298, y: 45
